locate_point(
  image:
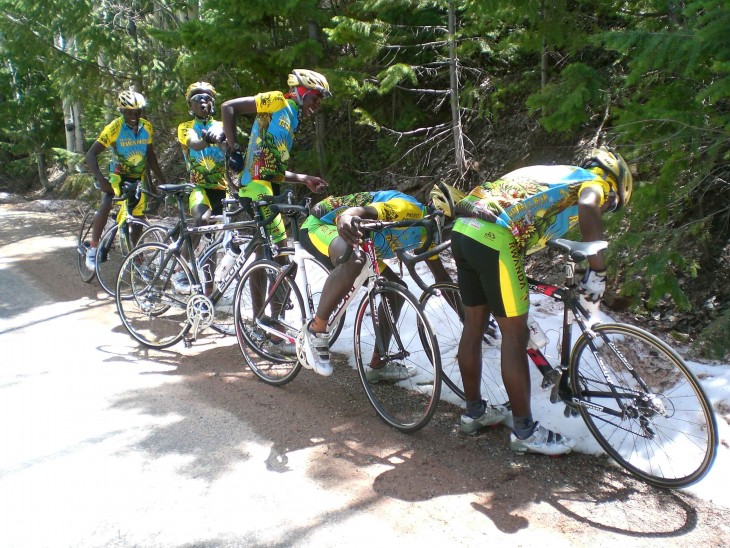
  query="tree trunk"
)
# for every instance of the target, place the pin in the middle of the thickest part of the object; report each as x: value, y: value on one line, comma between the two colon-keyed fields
x: 70, y: 127
x: 319, y: 120
x: 79, y: 133
x: 454, y: 80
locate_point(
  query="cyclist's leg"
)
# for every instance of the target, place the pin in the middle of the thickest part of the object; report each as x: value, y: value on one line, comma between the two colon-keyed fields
x: 102, y: 214
x: 338, y: 282
x: 276, y: 230
x: 135, y: 208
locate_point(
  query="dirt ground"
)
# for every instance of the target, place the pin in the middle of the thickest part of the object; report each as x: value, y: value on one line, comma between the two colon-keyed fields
x: 583, y: 500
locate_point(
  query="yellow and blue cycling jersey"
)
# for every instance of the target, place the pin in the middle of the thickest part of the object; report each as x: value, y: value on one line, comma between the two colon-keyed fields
x: 391, y: 205
x: 129, y: 160
x: 271, y: 140
x: 207, y: 167
x: 533, y: 204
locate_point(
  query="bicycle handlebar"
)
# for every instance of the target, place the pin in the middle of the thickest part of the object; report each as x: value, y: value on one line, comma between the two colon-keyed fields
x: 429, y: 222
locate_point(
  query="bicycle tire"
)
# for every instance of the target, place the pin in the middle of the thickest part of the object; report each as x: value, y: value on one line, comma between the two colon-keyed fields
x: 113, y: 248
x: 270, y: 359
x: 670, y: 437
x: 444, y: 310
x: 150, y: 309
x: 317, y: 273
x: 83, y: 243
x: 154, y: 234
x: 407, y: 404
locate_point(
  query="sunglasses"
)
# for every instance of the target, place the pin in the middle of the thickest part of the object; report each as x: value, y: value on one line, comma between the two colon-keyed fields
x: 202, y: 98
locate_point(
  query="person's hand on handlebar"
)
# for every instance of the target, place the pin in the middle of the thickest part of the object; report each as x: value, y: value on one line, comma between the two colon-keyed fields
x: 348, y: 227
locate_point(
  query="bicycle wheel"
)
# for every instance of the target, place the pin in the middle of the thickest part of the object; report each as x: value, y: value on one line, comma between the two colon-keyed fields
x: 261, y: 305
x: 83, y: 242
x: 113, y: 248
x: 445, y: 313
x: 154, y: 234
x: 408, y: 403
x: 317, y: 274
x: 666, y: 434
x: 151, y: 310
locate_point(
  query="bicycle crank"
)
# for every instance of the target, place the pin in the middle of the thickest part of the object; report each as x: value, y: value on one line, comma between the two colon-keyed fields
x: 200, y: 313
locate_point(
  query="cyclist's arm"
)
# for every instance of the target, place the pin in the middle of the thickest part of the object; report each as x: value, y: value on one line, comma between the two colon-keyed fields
x: 348, y: 223
x: 315, y: 184
x: 590, y: 221
x: 92, y: 162
x: 469, y: 208
x: 229, y: 111
x: 154, y: 166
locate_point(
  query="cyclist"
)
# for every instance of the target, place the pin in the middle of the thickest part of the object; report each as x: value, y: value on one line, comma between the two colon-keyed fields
x: 498, y: 223
x: 332, y: 227
x: 130, y: 136
x: 203, y: 143
x: 272, y: 137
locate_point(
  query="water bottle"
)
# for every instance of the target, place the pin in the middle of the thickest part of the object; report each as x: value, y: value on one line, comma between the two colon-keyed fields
x: 226, y: 263
x: 537, y: 336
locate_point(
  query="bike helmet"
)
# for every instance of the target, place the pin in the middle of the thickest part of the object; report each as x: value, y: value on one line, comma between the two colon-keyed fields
x: 310, y: 80
x: 610, y: 161
x: 445, y: 201
x: 131, y: 100
x: 200, y: 87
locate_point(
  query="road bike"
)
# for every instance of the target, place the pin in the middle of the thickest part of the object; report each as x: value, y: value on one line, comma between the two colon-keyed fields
x: 121, y: 234
x: 388, y: 321
x: 158, y: 315
x: 636, y: 395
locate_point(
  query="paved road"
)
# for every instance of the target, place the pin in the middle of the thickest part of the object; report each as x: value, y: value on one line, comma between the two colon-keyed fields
x: 106, y: 444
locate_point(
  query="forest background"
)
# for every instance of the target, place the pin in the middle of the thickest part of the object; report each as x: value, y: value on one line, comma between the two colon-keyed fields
x: 459, y: 91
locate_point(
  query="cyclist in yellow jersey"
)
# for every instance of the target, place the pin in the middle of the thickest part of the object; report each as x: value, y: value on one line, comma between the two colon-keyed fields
x: 499, y: 222
x: 203, y: 145
x: 272, y: 137
x: 130, y: 137
x: 332, y: 227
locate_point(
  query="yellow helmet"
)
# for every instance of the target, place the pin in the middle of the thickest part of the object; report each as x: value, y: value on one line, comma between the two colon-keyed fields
x: 445, y: 197
x: 131, y: 100
x: 611, y: 161
x: 200, y: 87
x: 310, y: 80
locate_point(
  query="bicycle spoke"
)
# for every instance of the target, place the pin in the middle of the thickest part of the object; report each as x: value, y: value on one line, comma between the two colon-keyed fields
x: 652, y: 417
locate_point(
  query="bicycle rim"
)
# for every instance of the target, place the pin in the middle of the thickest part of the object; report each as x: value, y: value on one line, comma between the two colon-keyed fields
x: 668, y: 435
x: 444, y: 310
x: 257, y: 304
x: 407, y: 404
x: 151, y: 310
x: 83, y: 243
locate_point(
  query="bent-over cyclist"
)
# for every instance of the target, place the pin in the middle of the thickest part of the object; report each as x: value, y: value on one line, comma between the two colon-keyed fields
x: 332, y: 227
x: 498, y: 224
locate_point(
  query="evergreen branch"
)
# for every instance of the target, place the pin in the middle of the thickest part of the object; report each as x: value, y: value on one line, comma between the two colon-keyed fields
x: 29, y: 26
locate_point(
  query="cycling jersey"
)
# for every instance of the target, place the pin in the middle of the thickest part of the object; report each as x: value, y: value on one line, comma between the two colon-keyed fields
x: 272, y: 137
x: 534, y: 204
x: 207, y: 167
x: 391, y: 205
x: 129, y: 161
